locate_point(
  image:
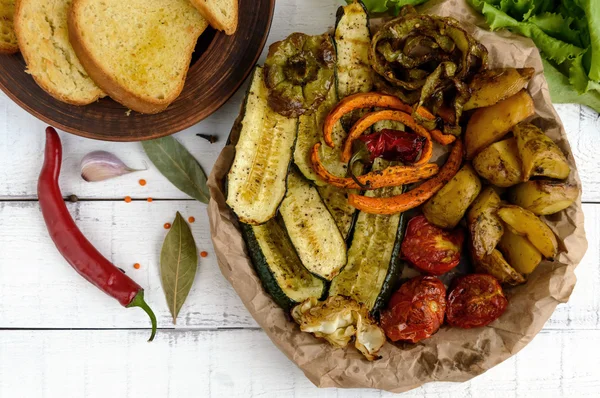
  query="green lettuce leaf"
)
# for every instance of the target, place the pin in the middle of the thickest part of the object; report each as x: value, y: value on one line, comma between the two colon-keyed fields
x: 591, y: 9
x: 552, y: 48
x: 557, y: 26
x: 562, y: 92
x: 388, y: 6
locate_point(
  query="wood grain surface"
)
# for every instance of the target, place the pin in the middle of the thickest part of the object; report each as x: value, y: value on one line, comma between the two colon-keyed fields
x: 220, y: 65
x: 61, y: 337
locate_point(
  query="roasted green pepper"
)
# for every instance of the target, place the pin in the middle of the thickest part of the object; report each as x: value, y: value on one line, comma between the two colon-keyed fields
x: 426, y: 61
x: 299, y: 73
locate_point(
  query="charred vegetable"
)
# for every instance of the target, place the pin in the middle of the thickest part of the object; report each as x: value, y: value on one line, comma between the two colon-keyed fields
x: 391, y: 176
x: 431, y: 249
x: 336, y: 200
x: 495, y: 85
x: 499, y: 163
x: 370, y: 119
x: 337, y: 320
x: 539, y: 154
x: 312, y: 229
x: 446, y: 208
x: 352, y: 39
x: 299, y: 73
x: 494, y: 264
x: 519, y: 252
x: 543, y: 197
x: 416, y: 310
x: 392, y: 145
x: 485, y: 227
x: 415, y: 197
x: 374, y: 265
x: 490, y: 124
x: 278, y: 266
x: 475, y: 301
x: 256, y: 182
x: 430, y: 55
x: 525, y: 223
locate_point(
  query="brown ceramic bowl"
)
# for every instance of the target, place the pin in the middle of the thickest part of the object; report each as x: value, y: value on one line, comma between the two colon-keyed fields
x: 220, y: 65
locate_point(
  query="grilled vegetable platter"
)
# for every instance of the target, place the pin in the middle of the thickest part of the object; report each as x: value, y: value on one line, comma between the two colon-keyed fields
x: 388, y: 182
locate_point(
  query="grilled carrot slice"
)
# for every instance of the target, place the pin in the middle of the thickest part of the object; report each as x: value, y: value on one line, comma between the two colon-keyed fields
x: 368, y: 100
x: 392, y: 176
x: 416, y: 196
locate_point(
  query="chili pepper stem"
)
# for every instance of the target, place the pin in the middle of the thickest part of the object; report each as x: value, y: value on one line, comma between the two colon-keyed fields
x: 361, y: 155
x: 138, y: 301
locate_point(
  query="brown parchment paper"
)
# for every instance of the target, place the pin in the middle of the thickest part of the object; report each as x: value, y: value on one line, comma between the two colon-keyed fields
x: 451, y: 354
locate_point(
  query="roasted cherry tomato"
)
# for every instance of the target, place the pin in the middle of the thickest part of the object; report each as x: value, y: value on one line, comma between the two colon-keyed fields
x: 416, y: 310
x: 475, y: 300
x: 431, y: 249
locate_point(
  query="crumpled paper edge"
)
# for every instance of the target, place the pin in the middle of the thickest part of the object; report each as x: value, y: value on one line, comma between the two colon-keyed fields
x: 451, y: 354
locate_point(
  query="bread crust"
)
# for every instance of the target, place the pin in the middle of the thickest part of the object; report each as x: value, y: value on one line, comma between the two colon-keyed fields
x: 107, y: 82
x: 25, y: 51
x: 7, y: 48
x: 213, y: 20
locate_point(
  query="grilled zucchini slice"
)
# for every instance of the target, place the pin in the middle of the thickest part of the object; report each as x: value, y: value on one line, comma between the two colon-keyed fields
x: 336, y: 201
x: 310, y: 129
x: 310, y: 132
x: 374, y: 265
x: 312, y: 229
x: 352, y: 41
x: 278, y: 266
x: 256, y: 182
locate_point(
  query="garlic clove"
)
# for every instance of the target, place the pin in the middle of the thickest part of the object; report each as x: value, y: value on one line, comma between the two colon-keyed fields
x: 102, y: 165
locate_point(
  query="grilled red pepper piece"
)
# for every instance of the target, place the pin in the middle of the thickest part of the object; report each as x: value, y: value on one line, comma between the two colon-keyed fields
x: 73, y: 245
x: 394, y: 145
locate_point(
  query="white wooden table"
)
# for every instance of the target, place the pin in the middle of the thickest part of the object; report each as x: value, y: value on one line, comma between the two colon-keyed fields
x: 61, y: 337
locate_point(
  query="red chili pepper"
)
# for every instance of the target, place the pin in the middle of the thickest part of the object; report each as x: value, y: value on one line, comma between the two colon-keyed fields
x: 394, y: 145
x: 73, y: 245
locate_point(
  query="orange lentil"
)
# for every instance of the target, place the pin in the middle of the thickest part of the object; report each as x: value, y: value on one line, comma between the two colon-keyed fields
x: 136, y: 265
x: 191, y: 219
x: 167, y: 225
x: 203, y: 254
x: 149, y: 199
x: 142, y: 182
x: 127, y: 199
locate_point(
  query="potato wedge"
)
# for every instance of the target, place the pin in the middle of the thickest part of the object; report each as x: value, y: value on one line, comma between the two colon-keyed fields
x: 540, y: 155
x: 543, y: 197
x: 519, y: 252
x: 449, y: 204
x: 525, y: 223
x: 494, y: 85
x: 485, y: 226
x: 499, y: 163
x: 490, y: 124
x: 495, y: 265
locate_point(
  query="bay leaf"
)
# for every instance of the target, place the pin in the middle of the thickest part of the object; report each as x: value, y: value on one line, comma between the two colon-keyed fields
x: 178, y: 264
x: 179, y: 166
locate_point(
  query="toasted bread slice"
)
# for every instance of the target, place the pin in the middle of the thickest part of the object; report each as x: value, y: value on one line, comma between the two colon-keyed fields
x: 41, y: 28
x: 221, y: 14
x: 138, y: 51
x: 8, y: 38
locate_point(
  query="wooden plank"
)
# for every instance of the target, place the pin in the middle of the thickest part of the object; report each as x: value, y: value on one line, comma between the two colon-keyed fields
x: 39, y: 289
x: 582, y: 125
x: 243, y: 363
